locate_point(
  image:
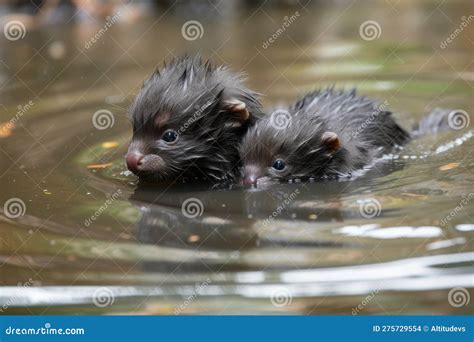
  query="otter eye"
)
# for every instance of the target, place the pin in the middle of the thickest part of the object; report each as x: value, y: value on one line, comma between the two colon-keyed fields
x: 169, y: 136
x: 279, y: 165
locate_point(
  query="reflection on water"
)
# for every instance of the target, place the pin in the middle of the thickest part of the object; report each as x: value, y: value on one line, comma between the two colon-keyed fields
x: 79, y: 234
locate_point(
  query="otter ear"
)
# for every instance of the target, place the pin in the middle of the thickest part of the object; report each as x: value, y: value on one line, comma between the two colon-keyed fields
x: 237, y: 109
x: 331, y: 141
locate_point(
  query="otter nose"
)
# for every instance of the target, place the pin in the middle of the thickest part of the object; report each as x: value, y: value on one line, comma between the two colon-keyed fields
x: 251, y: 175
x: 134, y: 160
x: 249, y: 179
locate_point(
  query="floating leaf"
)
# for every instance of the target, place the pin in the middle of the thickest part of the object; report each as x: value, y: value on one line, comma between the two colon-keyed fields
x: 194, y: 238
x: 99, y: 166
x: 449, y: 166
x: 6, y: 129
x: 110, y: 144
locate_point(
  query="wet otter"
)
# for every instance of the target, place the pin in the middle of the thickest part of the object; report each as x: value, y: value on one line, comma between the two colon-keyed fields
x: 188, y: 119
x: 327, y: 134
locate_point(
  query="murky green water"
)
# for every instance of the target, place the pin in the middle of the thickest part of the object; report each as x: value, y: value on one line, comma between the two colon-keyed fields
x: 90, y: 240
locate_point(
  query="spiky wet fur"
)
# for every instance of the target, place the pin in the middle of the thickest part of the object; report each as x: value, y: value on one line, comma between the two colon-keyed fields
x: 192, y: 91
x: 300, y: 146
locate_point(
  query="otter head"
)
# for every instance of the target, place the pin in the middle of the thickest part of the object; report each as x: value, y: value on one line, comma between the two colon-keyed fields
x: 300, y: 148
x: 188, y: 119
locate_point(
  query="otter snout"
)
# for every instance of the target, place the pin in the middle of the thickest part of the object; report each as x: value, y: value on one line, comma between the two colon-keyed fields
x: 251, y: 174
x: 134, y: 160
x: 250, y: 180
x: 138, y: 162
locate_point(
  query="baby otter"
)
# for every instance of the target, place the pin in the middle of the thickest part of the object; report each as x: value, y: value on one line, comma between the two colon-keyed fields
x: 188, y: 120
x: 326, y: 134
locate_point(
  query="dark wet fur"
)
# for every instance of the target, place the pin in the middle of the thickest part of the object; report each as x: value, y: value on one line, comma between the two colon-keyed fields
x: 300, y: 146
x: 207, y: 149
x: 435, y: 122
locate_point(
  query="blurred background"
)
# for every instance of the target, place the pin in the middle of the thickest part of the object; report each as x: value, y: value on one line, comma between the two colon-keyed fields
x: 78, y: 234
